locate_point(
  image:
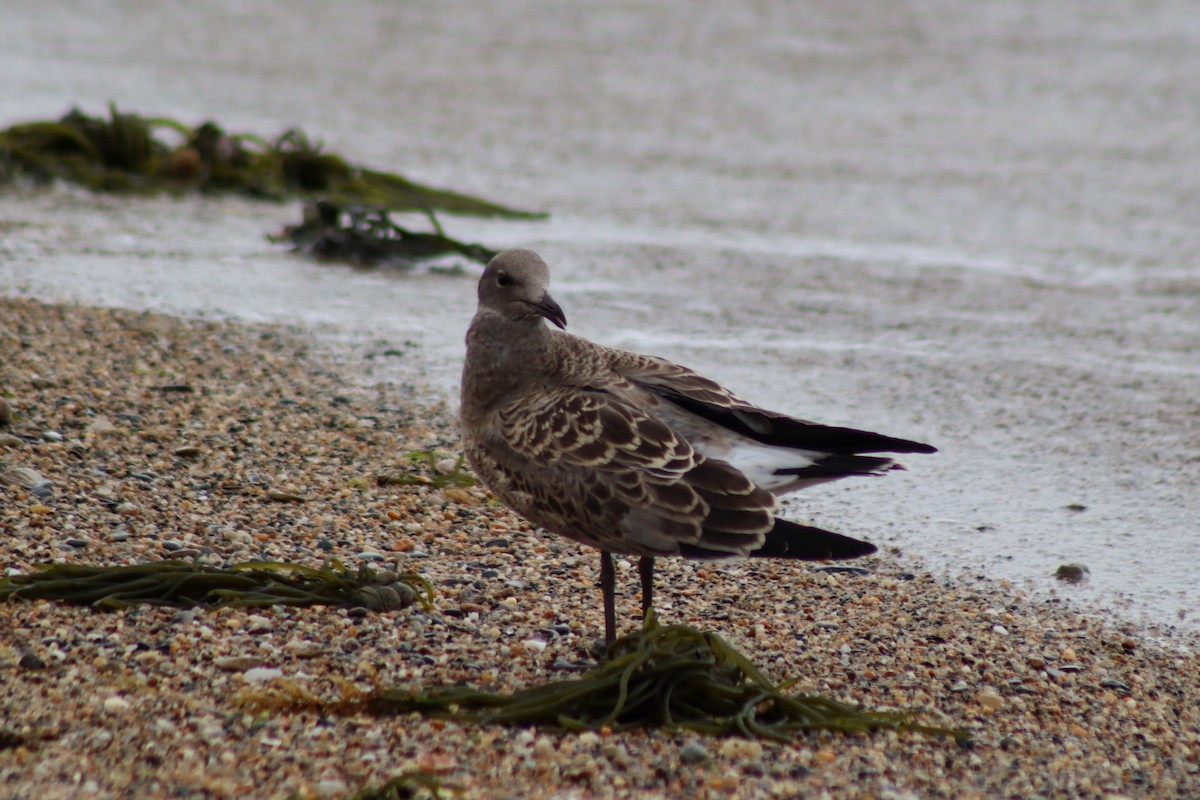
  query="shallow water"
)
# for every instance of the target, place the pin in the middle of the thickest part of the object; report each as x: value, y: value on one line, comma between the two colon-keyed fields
x: 972, y: 227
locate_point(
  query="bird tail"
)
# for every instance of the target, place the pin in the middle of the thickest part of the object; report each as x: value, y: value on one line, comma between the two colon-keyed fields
x: 806, y: 543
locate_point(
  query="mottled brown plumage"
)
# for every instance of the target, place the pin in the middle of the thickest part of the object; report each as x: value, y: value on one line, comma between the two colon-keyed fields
x: 634, y: 454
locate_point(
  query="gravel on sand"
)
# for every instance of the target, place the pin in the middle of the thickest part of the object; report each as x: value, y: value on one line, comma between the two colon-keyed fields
x: 130, y: 437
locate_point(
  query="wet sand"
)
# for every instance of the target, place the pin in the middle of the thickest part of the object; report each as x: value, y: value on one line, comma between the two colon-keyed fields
x: 137, y: 703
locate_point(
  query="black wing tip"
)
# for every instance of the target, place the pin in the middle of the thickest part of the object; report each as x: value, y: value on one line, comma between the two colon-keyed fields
x: 806, y: 543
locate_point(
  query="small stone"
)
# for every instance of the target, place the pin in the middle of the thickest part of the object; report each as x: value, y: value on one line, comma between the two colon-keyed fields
x: 262, y: 674
x: 78, y: 544
x: 305, y: 649
x: 236, y: 663
x: 1113, y: 683
x: 1072, y: 573
x: 961, y: 686
x: 1036, y: 661
x: 24, y: 477
x: 534, y: 646
x: 991, y: 701
x: 446, y: 466
x: 694, y: 753
x: 31, y: 660
x: 1000, y: 629
x: 116, y: 704
x: 1068, y: 654
x: 101, y: 426
x: 544, y: 749
x: 10, y: 442
x: 6, y: 413
x: 187, y: 451
x: 747, y: 749
x: 331, y: 788
x: 52, y: 436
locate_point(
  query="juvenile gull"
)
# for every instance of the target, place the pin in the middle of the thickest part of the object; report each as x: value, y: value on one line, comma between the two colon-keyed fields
x: 634, y: 454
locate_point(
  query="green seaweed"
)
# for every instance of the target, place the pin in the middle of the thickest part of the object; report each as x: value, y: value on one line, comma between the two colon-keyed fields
x: 125, y: 153
x: 187, y: 584
x: 367, y: 236
x: 663, y: 676
x: 457, y: 477
x: 407, y: 786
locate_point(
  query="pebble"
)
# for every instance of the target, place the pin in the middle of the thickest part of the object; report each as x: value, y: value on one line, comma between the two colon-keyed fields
x: 10, y: 442
x: 6, y: 412
x: 262, y: 674
x: 694, y: 753
x: 187, y: 451
x: 991, y: 701
x: 737, y: 747
x: 116, y: 704
x: 52, y: 436
x: 23, y: 477
x: 101, y: 426
x: 236, y: 663
x: 1072, y: 573
x: 544, y: 749
x: 304, y: 649
x: 31, y: 660
x: 331, y: 788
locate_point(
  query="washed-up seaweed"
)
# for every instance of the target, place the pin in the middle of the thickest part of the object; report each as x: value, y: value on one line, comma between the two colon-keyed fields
x: 407, y: 786
x: 663, y: 676
x: 125, y: 153
x: 457, y: 476
x: 187, y: 584
x: 367, y: 236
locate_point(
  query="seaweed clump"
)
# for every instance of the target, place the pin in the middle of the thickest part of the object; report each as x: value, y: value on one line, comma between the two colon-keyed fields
x: 186, y: 584
x: 663, y: 676
x: 125, y: 153
x: 367, y: 236
x: 407, y: 786
x: 442, y: 475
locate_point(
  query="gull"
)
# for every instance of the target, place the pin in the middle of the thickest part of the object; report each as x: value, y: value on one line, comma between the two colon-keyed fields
x: 633, y: 454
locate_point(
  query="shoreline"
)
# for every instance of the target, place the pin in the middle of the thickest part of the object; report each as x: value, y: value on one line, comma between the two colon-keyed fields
x: 133, y: 704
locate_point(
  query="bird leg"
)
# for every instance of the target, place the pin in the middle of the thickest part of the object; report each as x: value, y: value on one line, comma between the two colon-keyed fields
x: 646, y: 571
x: 608, y: 585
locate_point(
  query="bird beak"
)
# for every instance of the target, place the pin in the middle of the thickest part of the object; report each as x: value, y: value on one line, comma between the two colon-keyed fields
x: 551, y: 311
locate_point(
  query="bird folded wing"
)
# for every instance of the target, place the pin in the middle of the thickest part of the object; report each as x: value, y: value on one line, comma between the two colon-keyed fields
x: 672, y: 493
x: 711, y: 401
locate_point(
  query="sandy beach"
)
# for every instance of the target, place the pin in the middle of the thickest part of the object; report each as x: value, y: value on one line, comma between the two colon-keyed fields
x: 278, y: 461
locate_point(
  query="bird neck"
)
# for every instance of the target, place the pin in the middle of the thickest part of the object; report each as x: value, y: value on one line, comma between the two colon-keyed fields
x: 503, y: 357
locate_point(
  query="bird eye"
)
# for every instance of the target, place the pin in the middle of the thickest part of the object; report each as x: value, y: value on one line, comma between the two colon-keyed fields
x: 503, y: 279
